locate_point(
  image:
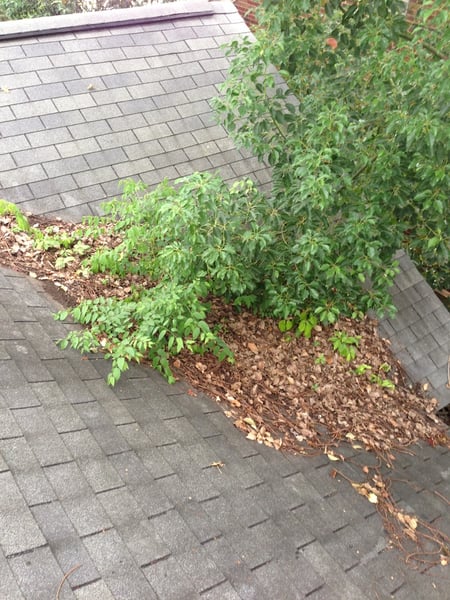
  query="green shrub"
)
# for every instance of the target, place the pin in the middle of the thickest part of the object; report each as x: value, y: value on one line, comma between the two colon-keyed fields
x: 24, y: 9
x: 197, y: 239
x: 9, y: 208
x: 355, y: 128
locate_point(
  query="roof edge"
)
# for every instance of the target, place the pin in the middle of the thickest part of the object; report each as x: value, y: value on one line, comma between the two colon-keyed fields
x: 120, y: 17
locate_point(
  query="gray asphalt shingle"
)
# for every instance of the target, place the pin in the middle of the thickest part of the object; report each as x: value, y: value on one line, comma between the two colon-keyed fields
x: 134, y: 498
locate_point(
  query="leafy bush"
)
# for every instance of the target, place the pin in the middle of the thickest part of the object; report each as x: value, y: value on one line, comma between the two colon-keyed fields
x: 154, y: 324
x: 345, y: 344
x: 24, y: 9
x: 8, y: 208
x: 355, y: 128
x: 195, y: 240
x: 198, y: 239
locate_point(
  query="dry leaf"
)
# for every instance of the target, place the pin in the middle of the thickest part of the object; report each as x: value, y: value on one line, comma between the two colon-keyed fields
x: 5, y: 89
x: 350, y: 436
x: 360, y: 489
x: 400, y: 516
x: 252, y: 435
x: 219, y: 464
x: 373, y: 498
x: 410, y: 533
x: 233, y: 401
x: 252, y: 347
x: 332, y: 456
x: 277, y: 444
x: 240, y: 424
x: 410, y: 521
x: 250, y: 422
x: 444, y: 560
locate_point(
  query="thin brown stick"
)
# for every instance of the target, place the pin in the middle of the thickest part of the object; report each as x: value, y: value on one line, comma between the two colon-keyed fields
x: 448, y: 372
x: 66, y: 576
x: 442, y: 497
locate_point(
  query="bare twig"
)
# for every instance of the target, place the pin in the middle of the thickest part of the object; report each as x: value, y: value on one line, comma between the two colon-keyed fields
x: 448, y: 372
x: 442, y: 497
x: 66, y: 576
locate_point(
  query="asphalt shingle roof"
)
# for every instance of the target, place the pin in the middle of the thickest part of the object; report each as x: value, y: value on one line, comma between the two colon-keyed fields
x: 85, y: 109
x: 121, y: 483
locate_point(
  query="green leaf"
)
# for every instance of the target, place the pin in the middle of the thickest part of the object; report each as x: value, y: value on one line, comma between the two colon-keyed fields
x: 285, y: 325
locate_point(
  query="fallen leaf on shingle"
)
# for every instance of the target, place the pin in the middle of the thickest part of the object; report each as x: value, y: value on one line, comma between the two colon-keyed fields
x: 410, y: 533
x: 250, y: 422
x: 332, y: 456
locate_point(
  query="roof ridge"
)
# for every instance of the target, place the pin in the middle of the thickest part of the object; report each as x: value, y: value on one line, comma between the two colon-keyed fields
x: 121, y: 17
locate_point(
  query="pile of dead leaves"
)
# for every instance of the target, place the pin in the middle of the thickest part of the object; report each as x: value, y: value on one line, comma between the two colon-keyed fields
x: 70, y: 282
x: 287, y: 392
x: 299, y: 394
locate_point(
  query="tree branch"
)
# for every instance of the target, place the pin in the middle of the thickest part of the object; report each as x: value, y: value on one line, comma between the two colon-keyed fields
x: 426, y: 45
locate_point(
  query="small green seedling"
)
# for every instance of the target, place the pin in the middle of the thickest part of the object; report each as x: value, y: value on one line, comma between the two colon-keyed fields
x: 8, y: 208
x: 52, y: 239
x: 345, y: 345
x: 306, y: 324
x: 384, y: 383
x: 320, y: 360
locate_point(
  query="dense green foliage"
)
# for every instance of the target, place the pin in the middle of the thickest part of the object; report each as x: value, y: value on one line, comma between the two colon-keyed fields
x: 9, y: 208
x: 198, y: 239
x: 24, y: 9
x: 355, y: 127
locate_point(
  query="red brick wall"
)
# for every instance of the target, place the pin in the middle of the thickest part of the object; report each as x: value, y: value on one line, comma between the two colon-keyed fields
x: 243, y: 7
